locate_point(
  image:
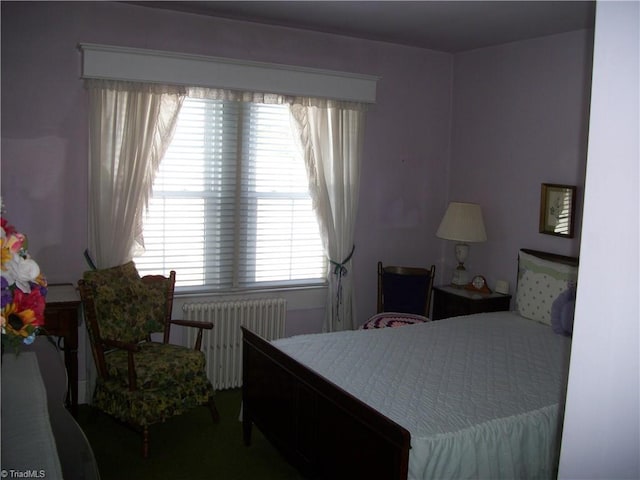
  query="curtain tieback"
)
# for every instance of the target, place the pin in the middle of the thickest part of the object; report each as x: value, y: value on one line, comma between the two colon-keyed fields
x: 340, y: 270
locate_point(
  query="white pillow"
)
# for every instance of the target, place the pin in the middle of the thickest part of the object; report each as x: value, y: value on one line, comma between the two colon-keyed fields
x: 540, y: 282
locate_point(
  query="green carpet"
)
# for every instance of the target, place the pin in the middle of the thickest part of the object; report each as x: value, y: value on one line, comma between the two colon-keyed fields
x: 189, y: 447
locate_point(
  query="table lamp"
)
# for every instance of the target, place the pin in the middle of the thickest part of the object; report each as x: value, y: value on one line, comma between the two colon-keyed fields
x: 462, y: 222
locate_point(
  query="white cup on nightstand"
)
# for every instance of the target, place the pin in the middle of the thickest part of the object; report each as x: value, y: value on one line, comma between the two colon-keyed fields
x: 502, y: 286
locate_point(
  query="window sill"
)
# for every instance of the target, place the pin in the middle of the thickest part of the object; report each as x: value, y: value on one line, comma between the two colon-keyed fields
x: 298, y: 298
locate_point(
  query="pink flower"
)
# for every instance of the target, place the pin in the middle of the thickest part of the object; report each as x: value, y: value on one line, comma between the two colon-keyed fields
x: 15, y: 242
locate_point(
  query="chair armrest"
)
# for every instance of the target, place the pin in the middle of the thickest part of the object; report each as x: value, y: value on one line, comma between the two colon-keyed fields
x: 195, y: 324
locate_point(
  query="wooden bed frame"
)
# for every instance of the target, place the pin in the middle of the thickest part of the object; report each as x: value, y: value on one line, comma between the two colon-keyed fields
x: 319, y: 427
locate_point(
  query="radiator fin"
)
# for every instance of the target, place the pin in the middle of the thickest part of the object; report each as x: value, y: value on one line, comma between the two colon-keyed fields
x: 222, y: 345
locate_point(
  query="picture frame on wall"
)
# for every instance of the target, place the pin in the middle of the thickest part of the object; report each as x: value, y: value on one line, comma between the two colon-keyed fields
x: 557, y: 209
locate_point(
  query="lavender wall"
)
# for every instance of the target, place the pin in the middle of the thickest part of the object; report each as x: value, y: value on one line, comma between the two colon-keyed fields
x: 44, y: 125
x: 520, y: 118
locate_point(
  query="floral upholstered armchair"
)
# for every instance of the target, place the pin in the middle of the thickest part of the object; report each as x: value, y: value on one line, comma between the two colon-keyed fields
x: 140, y: 381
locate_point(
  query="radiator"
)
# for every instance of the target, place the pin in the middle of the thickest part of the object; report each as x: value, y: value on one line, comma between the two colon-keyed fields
x: 222, y: 345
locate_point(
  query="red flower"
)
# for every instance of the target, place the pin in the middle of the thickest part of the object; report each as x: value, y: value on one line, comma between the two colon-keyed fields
x: 30, y: 301
x: 9, y: 229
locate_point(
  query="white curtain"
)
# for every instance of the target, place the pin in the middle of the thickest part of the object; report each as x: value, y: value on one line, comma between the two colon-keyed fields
x: 331, y: 137
x: 130, y: 128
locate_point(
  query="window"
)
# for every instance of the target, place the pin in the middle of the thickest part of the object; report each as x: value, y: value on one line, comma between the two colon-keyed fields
x: 230, y: 207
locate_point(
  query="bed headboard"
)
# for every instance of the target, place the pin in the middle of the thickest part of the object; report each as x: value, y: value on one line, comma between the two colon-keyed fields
x: 553, y: 257
x: 546, y: 289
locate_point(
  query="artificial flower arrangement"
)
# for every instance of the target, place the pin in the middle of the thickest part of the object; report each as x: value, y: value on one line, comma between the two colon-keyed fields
x: 24, y: 290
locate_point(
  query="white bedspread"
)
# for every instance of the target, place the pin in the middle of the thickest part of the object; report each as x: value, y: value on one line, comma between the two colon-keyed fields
x: 481, y: 395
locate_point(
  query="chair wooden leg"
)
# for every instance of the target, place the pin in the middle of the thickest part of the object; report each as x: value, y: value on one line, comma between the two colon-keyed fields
x: 145, y: 442
x: 214, y: 411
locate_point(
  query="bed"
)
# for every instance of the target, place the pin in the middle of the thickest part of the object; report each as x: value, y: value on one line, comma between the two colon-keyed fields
x: 478, y: 396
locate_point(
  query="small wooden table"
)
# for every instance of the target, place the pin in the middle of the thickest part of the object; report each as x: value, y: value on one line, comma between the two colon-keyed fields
x: 61, y: 319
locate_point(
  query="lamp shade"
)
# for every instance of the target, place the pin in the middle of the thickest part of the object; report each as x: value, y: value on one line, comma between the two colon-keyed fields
x: 462, y: 222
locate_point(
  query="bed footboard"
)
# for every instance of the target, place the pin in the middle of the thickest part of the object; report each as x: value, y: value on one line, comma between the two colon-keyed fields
x: 320, y: 428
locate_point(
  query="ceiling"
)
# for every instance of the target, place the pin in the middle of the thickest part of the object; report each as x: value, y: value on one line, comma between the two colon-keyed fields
x: 449, y: 26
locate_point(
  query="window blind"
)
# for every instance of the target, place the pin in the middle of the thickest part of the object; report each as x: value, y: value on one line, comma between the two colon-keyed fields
x: 230, y: 207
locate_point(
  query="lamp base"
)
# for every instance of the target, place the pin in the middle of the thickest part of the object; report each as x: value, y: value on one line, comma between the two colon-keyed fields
x: 460, y: 277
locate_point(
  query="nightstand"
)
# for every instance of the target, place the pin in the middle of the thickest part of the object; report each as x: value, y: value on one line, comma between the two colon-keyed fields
x: 451, y: 301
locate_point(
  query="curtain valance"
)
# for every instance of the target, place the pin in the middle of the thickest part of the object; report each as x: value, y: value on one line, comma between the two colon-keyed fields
x: 170, y: 68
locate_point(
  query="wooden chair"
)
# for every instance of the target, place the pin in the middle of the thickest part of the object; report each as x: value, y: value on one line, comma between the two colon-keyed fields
x: 140, y: 381
x: 405, y: 289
